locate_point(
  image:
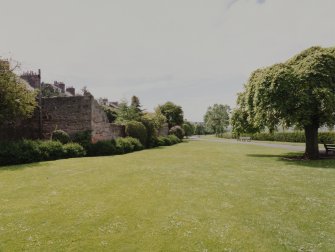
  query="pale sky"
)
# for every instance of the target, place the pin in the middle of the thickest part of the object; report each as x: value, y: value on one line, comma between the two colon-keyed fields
x: 191, y: 52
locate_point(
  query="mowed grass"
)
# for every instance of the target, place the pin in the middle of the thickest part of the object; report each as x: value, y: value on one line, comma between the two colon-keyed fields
x: 195, y: 196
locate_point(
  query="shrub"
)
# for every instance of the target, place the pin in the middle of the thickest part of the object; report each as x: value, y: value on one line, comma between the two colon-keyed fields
x: 137, y: 130
x: 25, y: 151
x: 168, y: 140
x: 177, y: 131
x: 297, y: 136
x: 73, y: 150
x: 83, y: 138
x: 149, y: 124
x: 327, y: 137
x: 173, y: 139
x: 102, y: 148
x: 61, y: 136
x: 188, y: 129
x: 137, y: 146
x: 51, y: 150
x: 127, y: 144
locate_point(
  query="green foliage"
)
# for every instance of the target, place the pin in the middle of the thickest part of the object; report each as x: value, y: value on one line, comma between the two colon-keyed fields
x: 217, y: 118
x: 299, y: 92
x: 168, y: 140
x: 114, y: 147
x: 28, y: 151
x: 16, y: 101
x: 102, y: 148
x: 174, y: 114
x: 177, y: 131
x: 136, y: 105
x: 110, y: 112
x: 127, y: 113
x: 149, y: 122
x: 158, y: 118
x: 73, y: 150
x: 51, y: 150
x: 326, y: 137
x: 83, y: 138
x: 188, y: 128
x: 25, y: 151
x: 199, y: 129
x: 294, y: 137
x: 137, y: 130
x: 61, y: 136
x: 127, y: 145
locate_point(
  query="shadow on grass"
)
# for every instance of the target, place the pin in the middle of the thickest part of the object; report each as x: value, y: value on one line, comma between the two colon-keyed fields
x: 23, y: 166
x: 295, y: 159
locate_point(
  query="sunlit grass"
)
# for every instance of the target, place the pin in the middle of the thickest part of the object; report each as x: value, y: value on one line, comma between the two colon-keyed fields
x: 196, y: 196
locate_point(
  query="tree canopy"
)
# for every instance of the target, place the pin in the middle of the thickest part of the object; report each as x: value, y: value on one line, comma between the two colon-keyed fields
x: 217, y: 118
x: 174, y: 114
x: 16, y: 101
x: 299, y: 92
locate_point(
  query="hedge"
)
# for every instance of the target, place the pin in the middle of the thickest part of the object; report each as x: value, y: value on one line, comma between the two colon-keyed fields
x: 297, y: 137
x: 28, y: 151
x: 137, y: 130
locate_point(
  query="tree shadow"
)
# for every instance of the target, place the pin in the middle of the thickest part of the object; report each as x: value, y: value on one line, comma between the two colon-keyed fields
x: 296, y: 159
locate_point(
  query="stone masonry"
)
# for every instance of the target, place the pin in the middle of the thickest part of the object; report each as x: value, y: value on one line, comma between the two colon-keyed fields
x: 72, y: 114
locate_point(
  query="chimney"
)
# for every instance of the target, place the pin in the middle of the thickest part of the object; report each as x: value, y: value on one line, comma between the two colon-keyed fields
x: 71, y: 90
x: 60, y: 85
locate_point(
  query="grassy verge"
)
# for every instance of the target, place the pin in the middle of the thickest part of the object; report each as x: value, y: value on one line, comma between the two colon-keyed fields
x: 195, y: 196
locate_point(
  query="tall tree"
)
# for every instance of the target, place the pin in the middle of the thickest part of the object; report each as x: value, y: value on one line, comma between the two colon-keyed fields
x: 299, y: 92
x: 174, y: 114
x: 217, y: 118
x: 16, y: 101
x: 126, y: 113
x: 135, y: 103
x: 188, y: 128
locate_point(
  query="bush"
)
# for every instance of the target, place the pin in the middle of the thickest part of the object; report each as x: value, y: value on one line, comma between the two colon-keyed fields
x: 28, y: 151
x: 149, y: 124
x: 167, y: 141
x: 173, y: 139
x: 102, y: 148
x: 137, y: 130
x: 177, y: 131
x: 327, y: 137
x: 297, y: 136
x: 61, y: 136
x: 25, y: 151
x: 83, y: 138
x: 127, y: 144
x: 51, y: 150
x: 73, y: 150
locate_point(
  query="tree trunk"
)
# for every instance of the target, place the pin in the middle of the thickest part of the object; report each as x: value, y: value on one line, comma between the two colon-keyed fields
x: 312, y: 145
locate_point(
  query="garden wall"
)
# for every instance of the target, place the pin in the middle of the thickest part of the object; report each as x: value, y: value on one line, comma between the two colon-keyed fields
x: 72, y: 114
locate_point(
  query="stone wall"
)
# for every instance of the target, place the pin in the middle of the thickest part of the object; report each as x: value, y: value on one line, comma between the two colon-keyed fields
x: 101, y: 128
x: 71, y: 114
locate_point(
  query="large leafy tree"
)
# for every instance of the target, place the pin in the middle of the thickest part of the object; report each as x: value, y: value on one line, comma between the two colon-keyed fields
x: 174, y: 114
x: 217, y: 118
x: 299, y: 92
x: 16, y: 101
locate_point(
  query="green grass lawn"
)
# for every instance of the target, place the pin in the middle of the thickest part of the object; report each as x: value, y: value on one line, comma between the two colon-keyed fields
x: 195, y: 196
